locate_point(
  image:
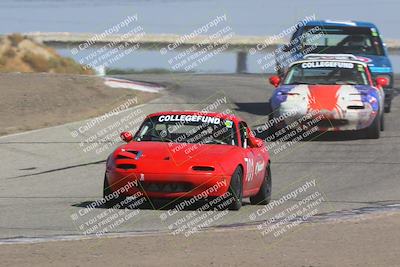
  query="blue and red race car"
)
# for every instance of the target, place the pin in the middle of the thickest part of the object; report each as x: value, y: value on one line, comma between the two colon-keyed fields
x: 337, y: 89
x: 184, y: 154
x: 361, y: 39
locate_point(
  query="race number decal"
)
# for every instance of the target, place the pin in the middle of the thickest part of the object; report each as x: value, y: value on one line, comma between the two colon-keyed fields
x: 249, y: 169
x: 259, y: 167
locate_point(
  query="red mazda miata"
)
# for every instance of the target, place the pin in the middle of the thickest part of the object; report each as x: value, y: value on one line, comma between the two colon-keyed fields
x: 190, y: 154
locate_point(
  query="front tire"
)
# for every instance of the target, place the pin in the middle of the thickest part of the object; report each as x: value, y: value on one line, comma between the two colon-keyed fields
x: 236, y: 189
x: 108, y: 192
x: 373, y: 131
x: 263, y: 196
x: 272, y: 128
x: 388, y: 105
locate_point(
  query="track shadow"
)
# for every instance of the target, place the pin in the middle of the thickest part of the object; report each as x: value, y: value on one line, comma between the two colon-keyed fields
x: 317, y: 136
x: 154, y: 204
x: 337, y: 136
x: 256, y: 108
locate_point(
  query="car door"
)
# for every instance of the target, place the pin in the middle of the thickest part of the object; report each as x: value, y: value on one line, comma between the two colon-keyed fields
x: 253, y: 160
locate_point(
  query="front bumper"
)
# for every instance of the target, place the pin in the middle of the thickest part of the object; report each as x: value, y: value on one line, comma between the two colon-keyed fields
x: 157, y: 185
x: 353, y: 118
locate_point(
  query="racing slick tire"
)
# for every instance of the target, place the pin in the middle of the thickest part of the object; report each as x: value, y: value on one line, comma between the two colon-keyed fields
x: 373, y: 131
x: 382, y: 122
x: 107, y: 192
x: 272, y: 128
x: 388, y: 108
x: 263, y: 196
x: 388, y: 104
x: 236, y: 189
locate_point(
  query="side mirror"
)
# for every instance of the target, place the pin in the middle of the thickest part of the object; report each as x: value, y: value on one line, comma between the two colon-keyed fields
x: 286, y: 48
x: 382, y: 81
x: 275, y: 80
x: 253, y: 140
x: 126, y: 136
x: 256, y: 142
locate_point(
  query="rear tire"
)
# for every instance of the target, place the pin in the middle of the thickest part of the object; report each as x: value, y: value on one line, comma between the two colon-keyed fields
x: 236, y: 189
x: 108, y: 192
x: 263, y: 196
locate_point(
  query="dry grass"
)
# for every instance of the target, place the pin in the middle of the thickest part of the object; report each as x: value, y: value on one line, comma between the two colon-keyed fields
x: 9, y: 53
x: 16, y: 38
x: 20, y: 54
x: 38, y: 63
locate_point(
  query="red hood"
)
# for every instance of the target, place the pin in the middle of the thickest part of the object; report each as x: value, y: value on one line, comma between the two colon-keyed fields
x: 177, y: 152
x: 323, y: 97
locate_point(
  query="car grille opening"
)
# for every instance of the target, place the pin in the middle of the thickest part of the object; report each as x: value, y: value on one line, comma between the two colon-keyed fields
x: 203, y: 168
x: 355, y: 107
x: 173, y: 187
x: 126, y: 166
x: 331, y: 123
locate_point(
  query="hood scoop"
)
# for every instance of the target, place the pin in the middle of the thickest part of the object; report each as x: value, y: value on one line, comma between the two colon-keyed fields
x: 129, y: 154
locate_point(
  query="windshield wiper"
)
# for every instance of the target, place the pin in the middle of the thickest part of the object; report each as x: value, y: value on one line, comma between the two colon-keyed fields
x: 345, y: 83
x: 154, y: 136
x: 301, y: 83
x: 215, y: 141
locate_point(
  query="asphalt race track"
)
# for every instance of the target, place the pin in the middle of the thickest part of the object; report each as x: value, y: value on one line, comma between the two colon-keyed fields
x: 46, y: 176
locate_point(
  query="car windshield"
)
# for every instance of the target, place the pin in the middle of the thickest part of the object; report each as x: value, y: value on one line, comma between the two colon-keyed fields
x: 327, y: 72
x: 343, y: 40
x: 185, y: 128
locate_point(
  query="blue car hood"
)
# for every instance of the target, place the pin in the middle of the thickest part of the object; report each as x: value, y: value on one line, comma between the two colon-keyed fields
x: 378, y: 64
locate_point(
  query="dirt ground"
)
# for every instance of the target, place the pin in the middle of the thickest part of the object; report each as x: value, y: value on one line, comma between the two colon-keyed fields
x: 31, y: 100
x: 372, y: 241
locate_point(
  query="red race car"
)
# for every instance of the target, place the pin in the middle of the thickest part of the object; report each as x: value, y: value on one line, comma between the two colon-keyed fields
x: 190, y: 155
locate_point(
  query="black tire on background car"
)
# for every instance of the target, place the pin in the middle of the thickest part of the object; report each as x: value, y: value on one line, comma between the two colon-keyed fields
x: 374, y: 130
x: 108, y: 192
x: 272, y: 127
x: 388, y: 108
x: 263, y: 196
x: 388, y: 104
x: 236, y: 189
